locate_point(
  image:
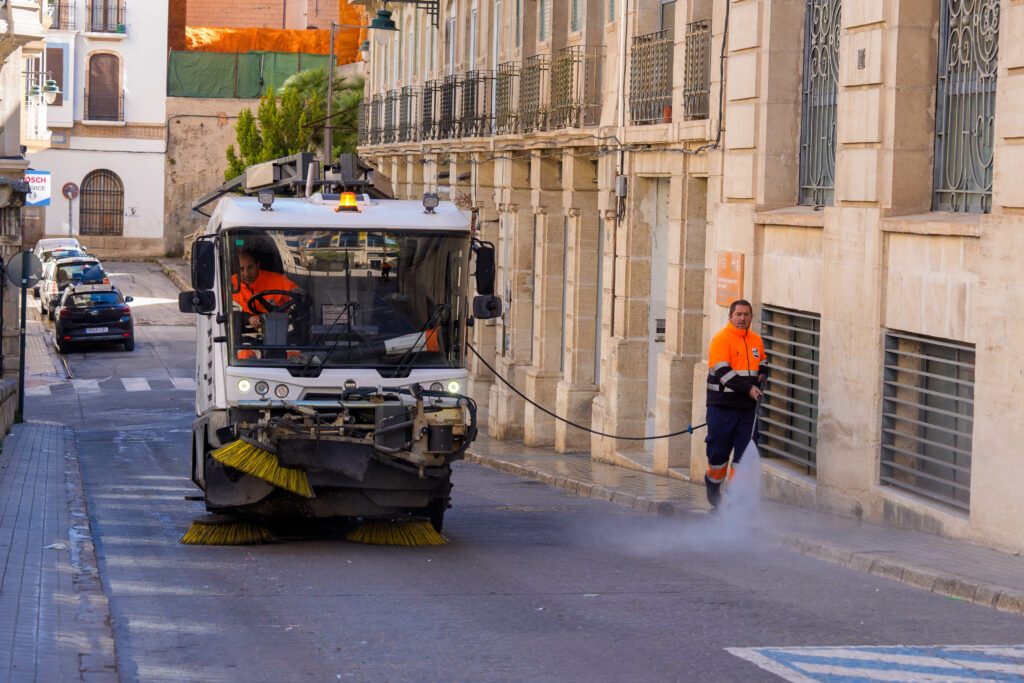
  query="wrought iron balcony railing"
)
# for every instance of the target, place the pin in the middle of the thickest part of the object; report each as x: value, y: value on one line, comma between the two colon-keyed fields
x: 697, y: 74
x: 650, y: 78
x: 104, y: 107
x: 506, y: 98
x: 429, y: 105
x: 376, y: 119
x: 450, y: 105
x: 364, y: 123
x: 535, y: 93
x: 389, y: 128
x: 577, y: 99
x: 105, y: 16
x: 477, y: 90
x: 407, y: 113
x: 63, y: 16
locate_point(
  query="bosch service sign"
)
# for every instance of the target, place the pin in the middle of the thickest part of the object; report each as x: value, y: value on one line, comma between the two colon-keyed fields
x: 39, y: 182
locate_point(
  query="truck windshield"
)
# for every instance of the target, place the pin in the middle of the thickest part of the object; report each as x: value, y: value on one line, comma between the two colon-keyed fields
x: 315, y: 299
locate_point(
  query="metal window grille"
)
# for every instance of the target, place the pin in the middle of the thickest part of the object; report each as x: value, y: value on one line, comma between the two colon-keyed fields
x: 534, y: 93
x: 407, y: 114
x: 577, y: 100
x: 818, y: 111
x: 101, y: 204
x: 428, y: 110
x: 506, y: 100
x: 389, y: 129
x: 788, y: 423
x: 650, y: 78
x: 697, y: 75
x: 476, y: 119
x: 104, y: 107
x: 448, y: 119
x: 105, y: 16
x: 364, y: 123
x: 965, y: 105
x: 376, y: 120
x: 928, y: 417
x: 63, y: 16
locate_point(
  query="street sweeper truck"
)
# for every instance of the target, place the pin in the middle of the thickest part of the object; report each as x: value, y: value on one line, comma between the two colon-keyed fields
x: 331, y: 348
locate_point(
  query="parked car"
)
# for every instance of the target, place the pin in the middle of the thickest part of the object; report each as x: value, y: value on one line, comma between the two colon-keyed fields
x: 55, y: 254
x: 69, y: 271
x: 93, y: 313
x: 49, y: 244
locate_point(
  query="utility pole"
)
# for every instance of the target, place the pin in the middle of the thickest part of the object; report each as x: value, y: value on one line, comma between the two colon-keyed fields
x: 329, y: 123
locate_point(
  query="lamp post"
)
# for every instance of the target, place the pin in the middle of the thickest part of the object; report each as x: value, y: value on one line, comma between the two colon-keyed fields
x: 382, y: 22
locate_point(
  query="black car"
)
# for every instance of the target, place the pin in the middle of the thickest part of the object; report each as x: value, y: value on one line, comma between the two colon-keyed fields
x: 93, y: 313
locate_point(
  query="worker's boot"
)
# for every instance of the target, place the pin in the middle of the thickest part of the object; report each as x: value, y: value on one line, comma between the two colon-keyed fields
x: 714, y: 490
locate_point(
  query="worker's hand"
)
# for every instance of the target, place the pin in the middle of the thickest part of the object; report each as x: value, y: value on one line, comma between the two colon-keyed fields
x: 255, y: 321
x: 755, y: 393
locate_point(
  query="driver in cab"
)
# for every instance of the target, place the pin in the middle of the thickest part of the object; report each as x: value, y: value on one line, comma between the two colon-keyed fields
x: 251, y: 291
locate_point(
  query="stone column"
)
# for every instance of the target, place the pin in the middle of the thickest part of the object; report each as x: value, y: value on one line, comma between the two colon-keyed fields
x: 483, y: 334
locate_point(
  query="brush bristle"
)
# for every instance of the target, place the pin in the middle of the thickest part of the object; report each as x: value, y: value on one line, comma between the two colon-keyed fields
x: 226, y: 533
x: 396, y: 533
x: 259, y: 462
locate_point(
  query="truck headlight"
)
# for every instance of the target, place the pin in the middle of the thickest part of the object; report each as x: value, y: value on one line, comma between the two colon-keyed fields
x: 281, y: 390
x: 437, y: 386
x: 262, y: 388
x: 454, y: 386
x: 244, y: 385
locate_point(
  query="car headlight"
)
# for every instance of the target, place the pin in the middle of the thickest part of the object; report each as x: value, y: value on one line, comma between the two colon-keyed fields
x: 244, y: 385
x: 281, y: 390
x: 454, y: 386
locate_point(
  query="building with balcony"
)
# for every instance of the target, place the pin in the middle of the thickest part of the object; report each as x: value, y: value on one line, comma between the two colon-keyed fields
x: 844, y: 166
x: 107, y: 128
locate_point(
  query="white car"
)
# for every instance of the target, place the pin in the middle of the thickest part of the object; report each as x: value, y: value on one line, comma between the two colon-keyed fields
x: 57, y: 275
x: 52, y: 248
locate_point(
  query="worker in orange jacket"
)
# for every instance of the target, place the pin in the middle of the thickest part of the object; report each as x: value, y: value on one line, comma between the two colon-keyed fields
x: 736, y: 372
x: 251, y: 280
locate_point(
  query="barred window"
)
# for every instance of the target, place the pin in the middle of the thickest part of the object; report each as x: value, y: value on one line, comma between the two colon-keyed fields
x: 965, y: 105
x: 928, y: 417
x: 818, y: 110
x: 788, y: 423
x: 101, y: 208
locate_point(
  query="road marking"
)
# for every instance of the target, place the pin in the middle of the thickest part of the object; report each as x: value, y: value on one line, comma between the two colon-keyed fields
x: 135, y: 384
x: 184, y: 383
x: 86, y: 386
x: 889, y: 663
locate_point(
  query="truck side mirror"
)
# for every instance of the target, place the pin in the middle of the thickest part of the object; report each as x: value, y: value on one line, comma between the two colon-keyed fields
x: 202, y: 301
x: 484, y: 268
x: 486, y: 306
x: 203, y: 264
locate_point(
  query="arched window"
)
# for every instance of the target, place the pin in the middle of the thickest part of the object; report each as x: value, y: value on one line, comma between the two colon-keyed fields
x: 103, y: 99
x: 101, y: 208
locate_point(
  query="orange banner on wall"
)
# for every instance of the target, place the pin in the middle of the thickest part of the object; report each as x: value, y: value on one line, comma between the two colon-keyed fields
x: 309, y: 41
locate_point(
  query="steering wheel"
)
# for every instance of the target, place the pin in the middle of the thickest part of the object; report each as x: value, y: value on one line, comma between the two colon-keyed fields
x: 262, y: 298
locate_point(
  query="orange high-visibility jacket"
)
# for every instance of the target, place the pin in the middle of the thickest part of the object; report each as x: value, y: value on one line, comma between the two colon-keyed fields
x: 264, y: 281
x: 735, y: 360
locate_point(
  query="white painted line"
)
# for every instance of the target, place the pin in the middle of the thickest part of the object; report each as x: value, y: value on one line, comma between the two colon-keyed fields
x: 86, y: 386
x: 135, y: 383
x: 909, y: 676
x: 184, y: 383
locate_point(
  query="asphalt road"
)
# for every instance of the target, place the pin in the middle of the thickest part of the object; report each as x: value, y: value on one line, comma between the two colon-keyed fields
x: 535, y: 584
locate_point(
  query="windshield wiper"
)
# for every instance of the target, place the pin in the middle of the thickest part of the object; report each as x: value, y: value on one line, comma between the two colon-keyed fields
x: 347, y: 312
x: 420, y: 342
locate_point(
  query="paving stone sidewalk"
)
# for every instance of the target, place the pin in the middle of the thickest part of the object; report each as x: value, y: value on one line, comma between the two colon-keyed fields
x: 956, y: 569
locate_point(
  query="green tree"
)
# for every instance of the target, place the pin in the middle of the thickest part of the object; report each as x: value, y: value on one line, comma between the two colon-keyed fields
x: 311, y: 84
x: 277, y: 130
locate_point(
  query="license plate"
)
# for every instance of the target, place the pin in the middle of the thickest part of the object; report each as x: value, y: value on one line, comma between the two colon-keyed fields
x: 95, y: 330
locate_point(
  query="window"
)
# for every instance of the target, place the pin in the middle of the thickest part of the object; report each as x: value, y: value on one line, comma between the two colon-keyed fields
x: 103, y: 101
x: 543, y: 27
x: 820, y: 88
x: 575, y: 15
x: 519, y: 22
x: 789, y: 410
x: 105, y: 16
x: 965, y: 105
x: 101, y: 207
x: 55, y: 70
x: 928, y: 417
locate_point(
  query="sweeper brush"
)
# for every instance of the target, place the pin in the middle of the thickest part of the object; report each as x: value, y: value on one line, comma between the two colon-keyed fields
x: 396, y: 533
x: 253, y: 458
x: 216, y: 530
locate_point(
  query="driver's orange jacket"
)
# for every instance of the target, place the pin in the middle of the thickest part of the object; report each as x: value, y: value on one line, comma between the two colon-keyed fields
x: 265, y: 281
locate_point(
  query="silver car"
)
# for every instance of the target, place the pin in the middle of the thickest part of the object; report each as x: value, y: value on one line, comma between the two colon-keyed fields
x: 58, y: 274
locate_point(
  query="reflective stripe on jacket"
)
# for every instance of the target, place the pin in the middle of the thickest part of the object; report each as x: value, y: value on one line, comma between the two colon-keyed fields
x: 734, y: 362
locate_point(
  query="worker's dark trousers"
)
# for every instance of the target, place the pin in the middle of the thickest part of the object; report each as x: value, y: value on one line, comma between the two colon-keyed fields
x: 728, y: 430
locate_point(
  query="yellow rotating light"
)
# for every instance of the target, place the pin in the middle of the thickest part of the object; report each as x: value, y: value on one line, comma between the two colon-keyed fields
x: 454, y: 386
x: 281, y: 390
x: 244, y: 385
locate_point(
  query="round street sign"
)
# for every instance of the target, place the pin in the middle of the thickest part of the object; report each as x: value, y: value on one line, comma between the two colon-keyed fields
x: 24, y: 269
x: 69, y: 190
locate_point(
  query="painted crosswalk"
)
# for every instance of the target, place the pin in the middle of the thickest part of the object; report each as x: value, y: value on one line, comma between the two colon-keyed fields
x: 124, y: 384
x: 889, y: 663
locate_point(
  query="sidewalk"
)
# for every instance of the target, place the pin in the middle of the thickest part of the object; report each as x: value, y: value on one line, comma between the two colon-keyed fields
x: 952, y: 568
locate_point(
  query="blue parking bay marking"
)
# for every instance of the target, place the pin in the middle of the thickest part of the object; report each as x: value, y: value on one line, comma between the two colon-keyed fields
x: 945, y: 663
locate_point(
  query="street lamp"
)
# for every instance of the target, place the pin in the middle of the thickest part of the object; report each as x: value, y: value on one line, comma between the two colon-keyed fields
x: 50, y: 91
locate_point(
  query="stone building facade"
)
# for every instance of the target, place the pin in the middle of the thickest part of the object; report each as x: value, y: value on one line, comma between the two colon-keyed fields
x: 853, y: 179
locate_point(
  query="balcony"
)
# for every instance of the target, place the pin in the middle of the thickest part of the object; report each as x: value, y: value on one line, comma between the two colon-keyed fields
x: 650, y: 78
x: 429, y: 102
x: 577, y: 100
x: 389, y: 131
x: 535, y: 93
x: 506, y: 99
x: 697, y: 74
x: 376, y: 130
x: 104, y: 107
x: 449, y: 109
x: 476, y: 120
x: 104, y: 16
x: 407, y: 113
x: 363, y: 133
x: 63, y: 15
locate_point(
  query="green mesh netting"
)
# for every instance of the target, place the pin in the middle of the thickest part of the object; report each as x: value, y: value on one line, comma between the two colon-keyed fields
x: 238, y: 75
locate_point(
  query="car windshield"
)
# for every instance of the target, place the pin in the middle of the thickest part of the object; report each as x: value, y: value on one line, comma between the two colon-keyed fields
x: 91, y: 299
x: 60, y: 253
x: 312, y: 299
x: 79, y: 272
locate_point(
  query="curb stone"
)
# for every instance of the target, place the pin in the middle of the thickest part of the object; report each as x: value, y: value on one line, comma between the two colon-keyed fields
x: 876, y: 564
